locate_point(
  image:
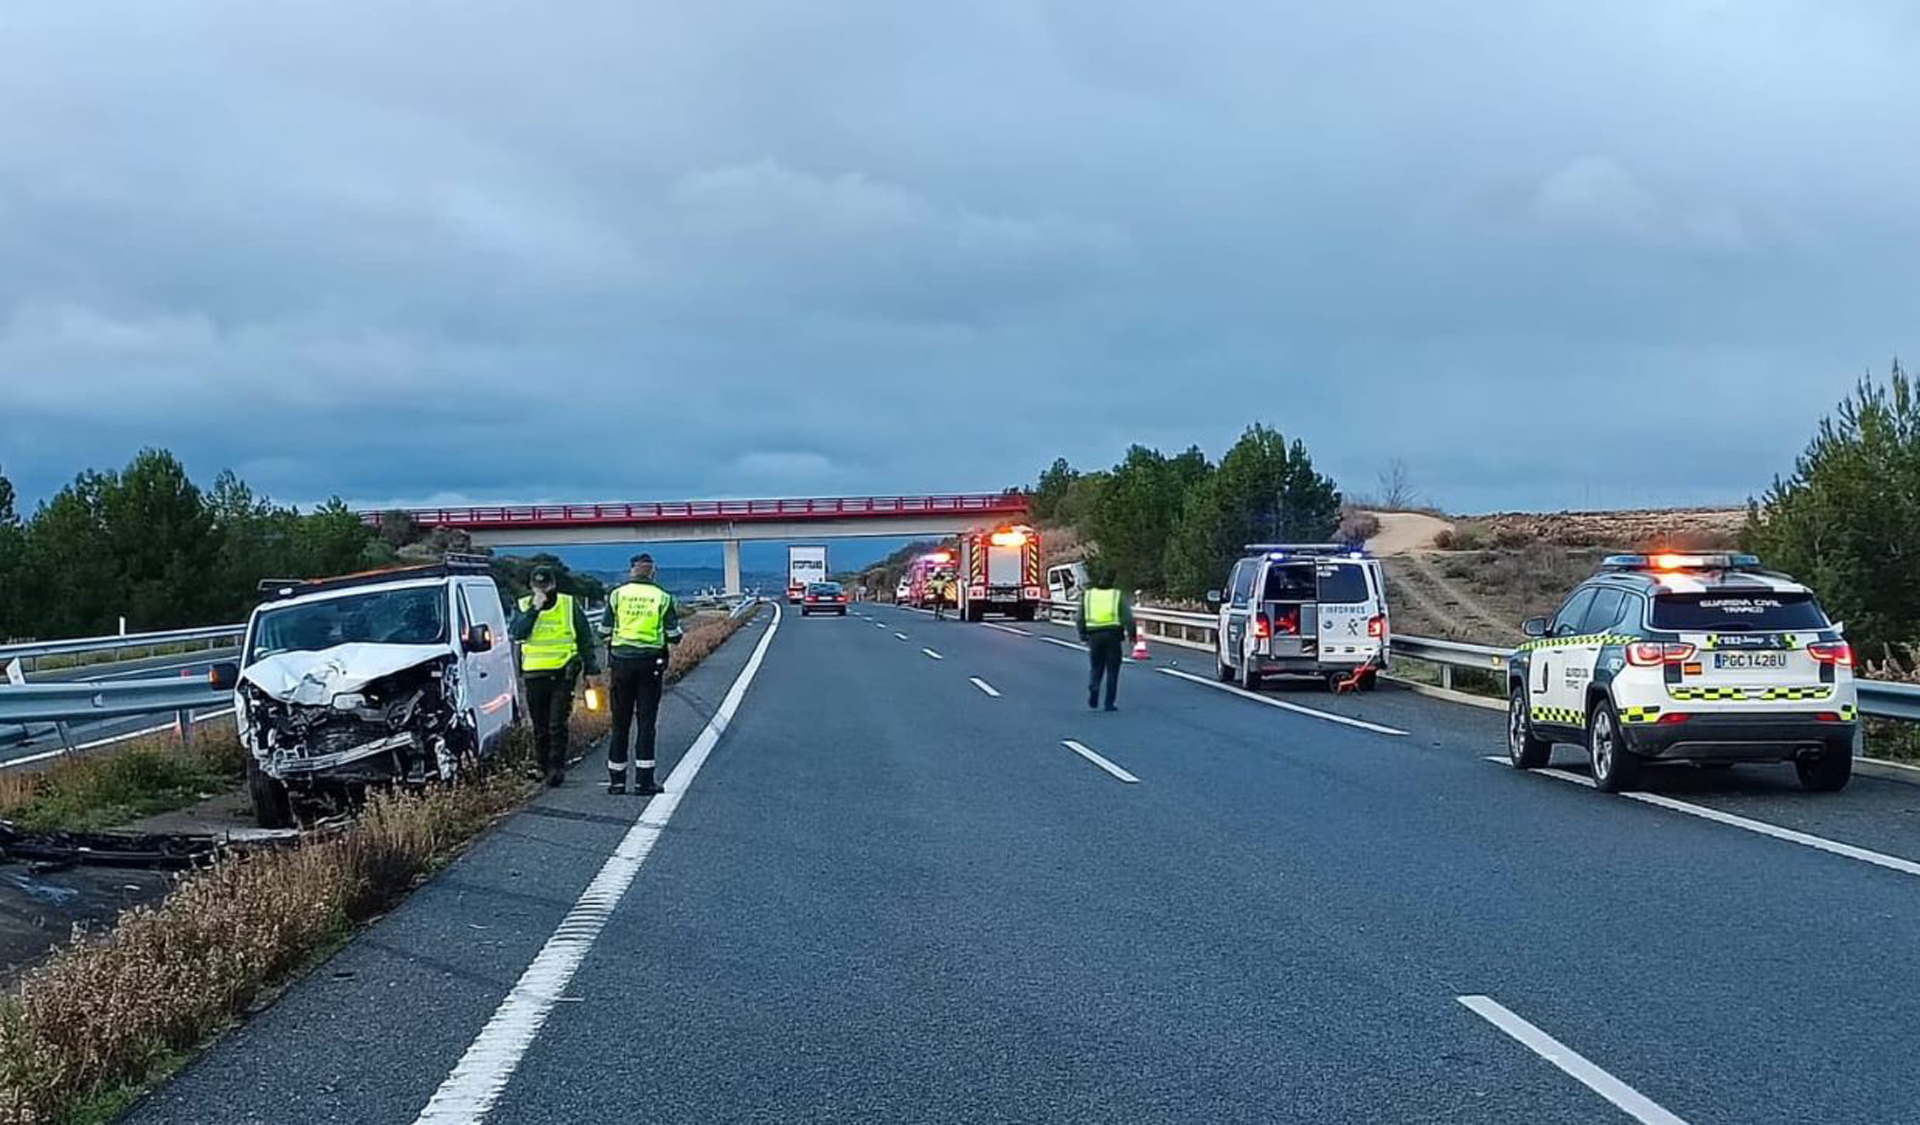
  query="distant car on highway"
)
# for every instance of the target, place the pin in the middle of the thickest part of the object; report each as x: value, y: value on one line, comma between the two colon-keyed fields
x: 1302, y: 609
x: 824, y: 597
x: 395, y: 676
x: 1686, y: 657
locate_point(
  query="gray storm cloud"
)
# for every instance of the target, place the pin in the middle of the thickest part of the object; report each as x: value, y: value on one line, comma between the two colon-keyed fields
x: 1546, y: 253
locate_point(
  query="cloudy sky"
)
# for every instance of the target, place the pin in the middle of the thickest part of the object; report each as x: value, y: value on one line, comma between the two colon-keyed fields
x: 1549, y: 253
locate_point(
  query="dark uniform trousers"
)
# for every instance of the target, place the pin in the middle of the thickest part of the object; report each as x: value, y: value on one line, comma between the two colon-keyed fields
x: 1103, y: 652
x: 636, y: 684
x: 549, y: 703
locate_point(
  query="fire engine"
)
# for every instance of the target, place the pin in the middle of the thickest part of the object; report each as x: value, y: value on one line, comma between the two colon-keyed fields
x: 1000, y: 573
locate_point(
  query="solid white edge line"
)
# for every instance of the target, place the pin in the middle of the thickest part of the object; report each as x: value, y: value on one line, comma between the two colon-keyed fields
x: 1627, y: 1099
x: 983, y: 686
x: 1731, y: 820
x: 1296, y: 708
x: 1097, y: 760
x: 97, y: 743
x: 1065, y: 644
x: 933, y: 654
x: 1006, y: 628
x: 481, y: 1075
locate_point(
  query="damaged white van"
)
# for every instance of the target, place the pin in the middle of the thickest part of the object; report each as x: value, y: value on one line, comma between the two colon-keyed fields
x: 389, y: 677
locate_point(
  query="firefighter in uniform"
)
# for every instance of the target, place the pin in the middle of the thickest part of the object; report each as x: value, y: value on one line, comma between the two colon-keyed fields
x: 556, y: 647
x: 939, y: 585
x: 645, y: 622
x: 1104, y: 622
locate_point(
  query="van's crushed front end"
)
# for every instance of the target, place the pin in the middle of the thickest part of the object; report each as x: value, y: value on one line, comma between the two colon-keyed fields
x: 355, y: 713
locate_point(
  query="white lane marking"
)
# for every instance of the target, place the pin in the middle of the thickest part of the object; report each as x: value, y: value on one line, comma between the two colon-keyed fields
x: 1064, y: 644
x: 480, y: 1076
x: 933, y: 654
x: 1006, y: 628
x: 1296, y: 708
x: 879, y: 624
x: 1630, y: 1101
x: 1097, y: 760
x: 97, y: 743
x: 902, y: 636
x: 983, y: 686
x: 1818, y: 843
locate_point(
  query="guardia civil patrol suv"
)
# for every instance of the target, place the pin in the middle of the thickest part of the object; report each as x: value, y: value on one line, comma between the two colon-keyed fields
x: 1703, y: 658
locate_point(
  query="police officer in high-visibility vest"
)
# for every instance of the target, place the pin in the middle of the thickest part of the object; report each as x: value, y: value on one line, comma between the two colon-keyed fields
x: 645, y: 623
x: 1104, y: 621
x: 556, y: 647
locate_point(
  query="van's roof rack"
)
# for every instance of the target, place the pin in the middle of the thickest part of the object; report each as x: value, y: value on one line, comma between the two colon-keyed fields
x: 274, y: 589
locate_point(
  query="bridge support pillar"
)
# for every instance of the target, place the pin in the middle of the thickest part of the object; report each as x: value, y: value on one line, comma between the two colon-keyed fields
x: 732, y: 566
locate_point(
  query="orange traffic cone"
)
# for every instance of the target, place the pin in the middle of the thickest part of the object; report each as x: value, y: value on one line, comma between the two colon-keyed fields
x: 1139, y: 643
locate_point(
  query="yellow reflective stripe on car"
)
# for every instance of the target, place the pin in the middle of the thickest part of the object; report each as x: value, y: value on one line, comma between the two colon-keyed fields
x: 1588, y: 639
x: 1566, y: 716
x: 1639, y: 714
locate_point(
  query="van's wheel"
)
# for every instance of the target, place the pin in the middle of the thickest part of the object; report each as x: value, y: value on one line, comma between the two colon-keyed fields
x: 1825, y: 772
x: 1334, y: 680
x: 1615, y: 768
x: 272, y: 807
x: 1524, y: 749
x: 1249, y: 679
x: 1222, y: 670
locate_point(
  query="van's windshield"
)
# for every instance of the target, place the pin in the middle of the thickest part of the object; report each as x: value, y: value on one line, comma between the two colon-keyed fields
x: 412, y: 616
x: 1334, y: 583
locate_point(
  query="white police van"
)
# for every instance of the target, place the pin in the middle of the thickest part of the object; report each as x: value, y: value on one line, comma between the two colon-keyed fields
x: 1302, y: 609
x: 1704, y: 658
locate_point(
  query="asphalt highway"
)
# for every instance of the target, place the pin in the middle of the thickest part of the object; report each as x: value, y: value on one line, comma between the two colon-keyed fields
x: 914, y: 878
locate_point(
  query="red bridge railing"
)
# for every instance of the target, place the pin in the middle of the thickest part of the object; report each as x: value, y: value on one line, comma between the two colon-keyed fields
x: 709, y: 511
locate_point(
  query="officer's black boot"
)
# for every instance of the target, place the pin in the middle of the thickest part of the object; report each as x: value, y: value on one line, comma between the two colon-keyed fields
x: 617, y: 780
x: 643, y: 780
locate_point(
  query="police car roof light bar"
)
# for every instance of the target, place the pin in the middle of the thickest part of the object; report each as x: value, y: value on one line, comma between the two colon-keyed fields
x: 1689, y: 560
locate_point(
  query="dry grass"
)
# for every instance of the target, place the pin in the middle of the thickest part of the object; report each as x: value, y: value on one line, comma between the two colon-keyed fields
x: 109, y: 1009
x: 82, y: 1033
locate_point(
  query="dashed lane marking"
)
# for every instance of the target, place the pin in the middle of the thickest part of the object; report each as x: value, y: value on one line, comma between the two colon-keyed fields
x: 1296, y: 708
x: 933, y: 654
x: 983, y: 686
x: 1627, y: 1099
x: 1097, y: 760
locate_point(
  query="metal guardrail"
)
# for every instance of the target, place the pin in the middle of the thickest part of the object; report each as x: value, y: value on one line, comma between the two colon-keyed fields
x: 86, y: 702
x: 1878, y: 699
x: 32, y: 650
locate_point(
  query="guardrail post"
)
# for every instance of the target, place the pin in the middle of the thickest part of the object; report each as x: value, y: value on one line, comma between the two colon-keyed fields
x: 1446, y: 676
x: 185, y: 723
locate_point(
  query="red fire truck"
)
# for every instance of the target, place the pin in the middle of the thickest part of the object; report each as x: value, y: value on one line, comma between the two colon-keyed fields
x: 921, y: 575
x: 1000, y: 573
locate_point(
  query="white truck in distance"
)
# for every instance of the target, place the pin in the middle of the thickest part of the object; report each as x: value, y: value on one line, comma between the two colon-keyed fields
x: 805, y: 565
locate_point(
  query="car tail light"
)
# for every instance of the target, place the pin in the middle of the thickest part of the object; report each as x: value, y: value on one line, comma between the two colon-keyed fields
x: 1828, y: 716
x: 1832, y: 652
x: 1377, y: 626
x: 1261, y: 628
x: 1652, y: 654
x: 813, y: 597
x: 1672, y: 718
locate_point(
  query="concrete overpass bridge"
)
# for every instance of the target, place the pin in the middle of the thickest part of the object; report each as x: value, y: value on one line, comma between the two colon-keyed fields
x: 730, y: 522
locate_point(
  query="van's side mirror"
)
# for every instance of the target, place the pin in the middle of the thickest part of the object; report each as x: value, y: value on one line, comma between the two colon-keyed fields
x: 1534, y: 627
x: 1214, y: 599
x: 224, y: 676
x: 477, y: 638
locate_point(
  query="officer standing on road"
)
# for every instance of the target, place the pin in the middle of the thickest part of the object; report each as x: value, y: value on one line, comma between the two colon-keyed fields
x: 645, y: 622
x: 557, y: 645
x: 1104, y: 621
x: 939, y: 585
